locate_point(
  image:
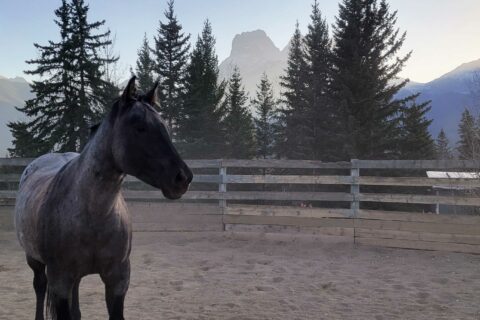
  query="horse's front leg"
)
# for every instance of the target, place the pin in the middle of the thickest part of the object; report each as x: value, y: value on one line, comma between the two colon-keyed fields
x: 116, y: 282
x: 60, y: 286
x: 75, y: 306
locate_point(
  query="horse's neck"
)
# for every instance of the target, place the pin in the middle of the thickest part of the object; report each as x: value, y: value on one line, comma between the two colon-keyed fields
x: 98, y: 178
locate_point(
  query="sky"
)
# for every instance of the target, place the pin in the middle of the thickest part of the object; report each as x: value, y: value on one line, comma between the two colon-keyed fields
x: 441, y: 33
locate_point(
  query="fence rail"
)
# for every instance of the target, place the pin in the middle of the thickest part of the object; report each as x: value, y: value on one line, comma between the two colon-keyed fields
x: 354, y: 179
x: 341, y: 195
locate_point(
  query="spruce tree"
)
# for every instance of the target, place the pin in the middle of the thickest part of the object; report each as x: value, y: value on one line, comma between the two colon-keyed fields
x: 71, y: 94
x: 264, y: 105
x: 200, y: 132
x: 468, y: 146
x: 320, y: 116
x: 95, y: 90
x: 171, y: 56
x: 25, y: 144
x: 111, y: 76
x: 442, y: 147
x: 145, y: 67
x: 238, y: 123
x: 364, y: 78
x: 416, y: 141
x: 292, y: 123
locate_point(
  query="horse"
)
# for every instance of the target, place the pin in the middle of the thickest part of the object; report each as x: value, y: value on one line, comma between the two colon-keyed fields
x: 70, y: 215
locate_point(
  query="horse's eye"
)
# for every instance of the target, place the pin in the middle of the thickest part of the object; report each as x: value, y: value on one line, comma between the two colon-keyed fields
x: 140, y: 128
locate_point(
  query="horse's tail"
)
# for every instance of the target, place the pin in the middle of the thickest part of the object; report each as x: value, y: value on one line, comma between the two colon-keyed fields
x: 50, y: 306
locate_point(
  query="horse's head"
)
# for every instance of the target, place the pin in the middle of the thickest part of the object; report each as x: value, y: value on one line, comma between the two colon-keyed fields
x: 142, y: 146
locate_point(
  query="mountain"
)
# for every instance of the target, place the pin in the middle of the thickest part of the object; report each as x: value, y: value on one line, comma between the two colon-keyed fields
x: 450, y: 95
x: 255, y: 53
x: 13, y: 92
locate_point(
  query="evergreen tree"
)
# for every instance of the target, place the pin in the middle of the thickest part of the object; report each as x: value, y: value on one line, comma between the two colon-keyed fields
x: 364, y: 78
x: 72, y: 92
x: 442, y: 147
x: 292, y: 123
x: 89, y: 55
x: 145, y: 66
x: 110, y: 76
x: 25, y: 145
x: 321, y: 134
x: 264, y: 106
x: 171, y: 54
x: 416, y: 141
x: 238, y: 123
x: 468, y: 146
x: 200, y: 131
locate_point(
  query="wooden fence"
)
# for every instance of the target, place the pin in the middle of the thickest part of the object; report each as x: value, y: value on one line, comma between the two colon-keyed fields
x: 373, y: 202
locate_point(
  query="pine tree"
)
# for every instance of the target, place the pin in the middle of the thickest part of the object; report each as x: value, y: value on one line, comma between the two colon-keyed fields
x: 200, y: 131
x: 468, y: 146
x: 145, y: 67
x: 320, y: 116
x: 442, y: 147
x: 364, y: 78
x: 264, y: 105
x: 238, y: 123
x: 72, y: 93
x: 416, y: 141
x: 292, y: 123
x: 171, y: 54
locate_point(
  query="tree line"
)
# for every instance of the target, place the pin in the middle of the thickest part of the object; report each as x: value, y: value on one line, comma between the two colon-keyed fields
x: 468, y: 145
x: 338, y: 98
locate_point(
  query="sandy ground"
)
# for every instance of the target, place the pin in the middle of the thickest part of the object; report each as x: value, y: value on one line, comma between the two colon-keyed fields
x: 248, y: 276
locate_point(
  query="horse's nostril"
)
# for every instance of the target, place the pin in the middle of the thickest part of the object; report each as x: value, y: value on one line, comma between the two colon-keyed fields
x: 181, y: 177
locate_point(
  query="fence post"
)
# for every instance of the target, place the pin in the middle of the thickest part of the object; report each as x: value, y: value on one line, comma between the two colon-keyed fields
x: 222, y: 186
x: 354, y: 187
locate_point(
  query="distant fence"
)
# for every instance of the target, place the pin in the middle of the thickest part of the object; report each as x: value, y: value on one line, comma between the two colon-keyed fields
x: 375, y: 202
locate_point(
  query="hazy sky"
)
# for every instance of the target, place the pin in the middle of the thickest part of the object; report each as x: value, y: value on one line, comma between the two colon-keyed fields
x: 441, y: 33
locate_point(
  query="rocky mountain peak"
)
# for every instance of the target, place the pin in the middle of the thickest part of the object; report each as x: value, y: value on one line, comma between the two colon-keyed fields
x: 254, y: 44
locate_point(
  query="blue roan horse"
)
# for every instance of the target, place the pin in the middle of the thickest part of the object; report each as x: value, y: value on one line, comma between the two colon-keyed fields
x: 70, y: 214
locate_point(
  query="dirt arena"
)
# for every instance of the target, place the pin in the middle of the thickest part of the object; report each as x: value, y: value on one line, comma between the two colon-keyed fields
x: 214, y: 275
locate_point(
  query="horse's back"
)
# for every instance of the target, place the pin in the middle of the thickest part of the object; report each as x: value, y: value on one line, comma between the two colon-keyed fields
x: 47, y: 165
x: 34, y: 185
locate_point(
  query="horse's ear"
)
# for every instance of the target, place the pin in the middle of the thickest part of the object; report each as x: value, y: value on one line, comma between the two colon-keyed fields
x: 130, y: 89
x: 151, y: 96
